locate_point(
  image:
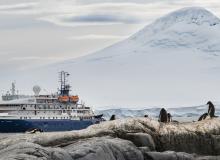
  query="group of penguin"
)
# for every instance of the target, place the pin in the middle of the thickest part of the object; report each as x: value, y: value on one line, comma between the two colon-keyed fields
x: 166, y: 117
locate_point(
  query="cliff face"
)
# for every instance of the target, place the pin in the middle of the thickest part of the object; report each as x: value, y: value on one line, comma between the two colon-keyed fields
x: 127, y: 139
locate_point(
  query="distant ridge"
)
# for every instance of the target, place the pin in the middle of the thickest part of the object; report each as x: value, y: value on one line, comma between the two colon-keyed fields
x: 183, y: 112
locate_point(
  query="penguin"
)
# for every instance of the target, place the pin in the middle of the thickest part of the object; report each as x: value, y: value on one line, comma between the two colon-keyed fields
x: 211, y: 110
x: 202, y: 117
x: 112, y: 117
x: 169, y: 117
x: 163, y: 116
x: 34, y: 130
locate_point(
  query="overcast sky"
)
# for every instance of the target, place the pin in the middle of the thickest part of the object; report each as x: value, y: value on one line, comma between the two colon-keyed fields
x: 37, y: 32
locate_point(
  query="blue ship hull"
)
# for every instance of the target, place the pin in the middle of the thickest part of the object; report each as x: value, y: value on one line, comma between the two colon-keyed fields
x: 14, y: 126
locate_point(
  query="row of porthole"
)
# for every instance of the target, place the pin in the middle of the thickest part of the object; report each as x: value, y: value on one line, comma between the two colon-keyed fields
x: 87, y: 117
x: 55, y: 118
x: 45, y: 118
x: 25, y: 117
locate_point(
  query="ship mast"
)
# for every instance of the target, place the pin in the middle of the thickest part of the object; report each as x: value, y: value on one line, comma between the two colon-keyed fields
x: 64, y: 87
x: 13, y: 89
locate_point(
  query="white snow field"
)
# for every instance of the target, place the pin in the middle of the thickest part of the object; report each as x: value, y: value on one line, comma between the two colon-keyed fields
x: 172, y: 62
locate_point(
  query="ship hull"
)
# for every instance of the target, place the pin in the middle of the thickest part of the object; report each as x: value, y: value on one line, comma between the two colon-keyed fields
x: 15, y: 126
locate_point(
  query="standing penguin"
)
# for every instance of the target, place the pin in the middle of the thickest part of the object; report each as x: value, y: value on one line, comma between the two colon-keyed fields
x: 169, y: 117
x: 112, y: 117
x: 211, y: 110
x: 163, y: 116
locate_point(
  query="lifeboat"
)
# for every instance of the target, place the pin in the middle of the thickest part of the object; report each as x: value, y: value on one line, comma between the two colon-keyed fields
x: 63, y: 98
x: 74, y: 98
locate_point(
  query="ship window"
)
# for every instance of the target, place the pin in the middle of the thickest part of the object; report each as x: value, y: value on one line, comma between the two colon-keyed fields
x: 20, y: 117
x: 48, y: 117
x: 43, y: 117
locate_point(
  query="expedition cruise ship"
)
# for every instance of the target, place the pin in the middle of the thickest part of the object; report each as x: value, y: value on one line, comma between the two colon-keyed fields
x: 55, y: 112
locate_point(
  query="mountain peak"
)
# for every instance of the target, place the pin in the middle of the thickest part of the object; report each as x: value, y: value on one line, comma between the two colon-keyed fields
x: 196, y: 15
x: 183, y: 25
x: 190, y: 15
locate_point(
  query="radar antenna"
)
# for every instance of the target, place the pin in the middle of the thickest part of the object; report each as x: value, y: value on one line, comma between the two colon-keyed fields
x: 64, y: 87
x: 36, y: 90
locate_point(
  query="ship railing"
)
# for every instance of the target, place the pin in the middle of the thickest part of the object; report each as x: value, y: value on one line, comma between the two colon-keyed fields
x: 55, y: 109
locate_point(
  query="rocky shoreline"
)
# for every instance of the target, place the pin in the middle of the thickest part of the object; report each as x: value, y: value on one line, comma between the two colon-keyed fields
x: 124, y: 139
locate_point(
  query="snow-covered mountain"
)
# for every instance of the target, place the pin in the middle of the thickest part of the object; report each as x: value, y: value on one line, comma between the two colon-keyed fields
x: 172, y: 62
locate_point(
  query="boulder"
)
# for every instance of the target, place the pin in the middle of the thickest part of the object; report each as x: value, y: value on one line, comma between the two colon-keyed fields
x: 171, y: 155
x: 141, y: 140
x: 107, y: 148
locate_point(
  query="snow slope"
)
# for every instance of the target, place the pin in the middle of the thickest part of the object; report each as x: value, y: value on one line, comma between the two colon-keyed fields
x: 172, y: 62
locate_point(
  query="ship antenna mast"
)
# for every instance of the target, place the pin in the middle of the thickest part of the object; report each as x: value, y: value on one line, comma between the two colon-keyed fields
x: 64, y: 87
x: 13, y: 88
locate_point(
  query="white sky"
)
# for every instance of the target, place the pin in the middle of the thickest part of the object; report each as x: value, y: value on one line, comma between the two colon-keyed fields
x: 38, y: 32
